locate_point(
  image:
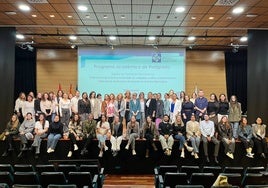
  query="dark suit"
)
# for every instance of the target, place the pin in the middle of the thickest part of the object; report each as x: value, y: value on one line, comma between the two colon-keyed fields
x: 151, y: 108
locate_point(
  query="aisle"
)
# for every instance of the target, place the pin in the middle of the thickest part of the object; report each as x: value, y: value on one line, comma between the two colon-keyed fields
x: 129, y: 181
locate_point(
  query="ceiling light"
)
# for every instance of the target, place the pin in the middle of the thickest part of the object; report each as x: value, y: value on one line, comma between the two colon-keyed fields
x: 180, y: 9
x: 193, y: 17
x: 82, y: 8
x: 238, y: 10
x: 151, y: 38
x: 72, y: 37
x: 52, y: 16
x: 191, y: 38
x: 105, y: 16
x: 87, y: 16
x: 228, y: 18
x: 73, y: 46
x: 243, y: 39
x: 211, y: 18
x: 19, y: 36
x: 123, y: 16
x: 10, y: 13
x: 251, y: 15
x: 112, y: 38
x: 69, y: 16
x: 34, y: 15
x: 24, y: 7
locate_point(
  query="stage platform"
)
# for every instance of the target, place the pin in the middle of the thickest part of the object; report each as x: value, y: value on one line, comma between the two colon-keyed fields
x: 125, y: 162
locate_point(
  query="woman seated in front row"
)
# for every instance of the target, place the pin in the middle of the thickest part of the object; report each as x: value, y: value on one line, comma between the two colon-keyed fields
x: 179, y: 131
x: 9, y: 133
x: 55, y: 132
x: 133, y: 133
x: 245, y: 135
x: 103, y: 132
x: 259, y: 131
x: 150, y: 133
x: 116, y: 135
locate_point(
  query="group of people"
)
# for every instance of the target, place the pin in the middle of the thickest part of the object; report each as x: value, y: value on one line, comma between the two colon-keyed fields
x: 130, y: 116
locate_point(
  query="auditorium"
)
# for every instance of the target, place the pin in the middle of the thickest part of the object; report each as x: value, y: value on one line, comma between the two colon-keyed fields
x: 133, y: 93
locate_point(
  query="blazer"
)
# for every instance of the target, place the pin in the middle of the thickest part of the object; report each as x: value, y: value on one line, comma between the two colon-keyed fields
x: 159, y: 109
x: 151, y: 108
x: 121, y: 108
x: 224, y: 132
x: 135, y: 108
x: 119, y: 131
x: 153, y: 131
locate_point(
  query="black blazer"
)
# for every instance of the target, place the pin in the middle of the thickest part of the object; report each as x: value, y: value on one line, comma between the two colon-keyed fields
x: 152, y: 107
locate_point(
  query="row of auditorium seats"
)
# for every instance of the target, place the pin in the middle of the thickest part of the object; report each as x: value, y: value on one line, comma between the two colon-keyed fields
x: 4, y: 185
x: 90, y: 175
x: 171, y: 175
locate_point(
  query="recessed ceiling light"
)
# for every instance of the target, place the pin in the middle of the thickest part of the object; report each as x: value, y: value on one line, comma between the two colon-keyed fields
x: 243, y: 39
x: 87, y: 16
x: 10, y: 13
x: 72, y: 37
x: 73, y: 46
x: 52, y: 16
x: 105, y: 16
x: 34, y: 15
x: 180, y: 9
x: 151, y: 38
x: 123, y: 16
x: 24, y: 7
x: 211, y: 18
x: 19, y: 36
x: 238, y: 10
x: 112, y: 38
x: 69, y: 16
x: 251, y: 15
x: 191, y: 38
x: 82, y: 8
x: 228, y: 18
x: 193, y: 17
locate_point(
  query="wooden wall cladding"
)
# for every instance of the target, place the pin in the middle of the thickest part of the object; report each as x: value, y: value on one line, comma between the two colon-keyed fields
x: 54, y: 67
x: 204, y: 69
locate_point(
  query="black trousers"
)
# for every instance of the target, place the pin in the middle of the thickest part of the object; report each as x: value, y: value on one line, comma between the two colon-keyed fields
x: 261, y: 145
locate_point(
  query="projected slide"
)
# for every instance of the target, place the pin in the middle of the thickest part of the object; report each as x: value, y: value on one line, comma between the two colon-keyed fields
x: 136, y: 69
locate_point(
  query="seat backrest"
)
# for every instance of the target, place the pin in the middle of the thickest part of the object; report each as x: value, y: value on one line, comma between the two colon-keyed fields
x: 256, y: 186
x: 66, y: 168
x: 23, y: 168
x: 80, y: 179
x: 4, y: 185
x: 216, y: 170
x: 26, y: 186
x: 171, y: 179
x: 6, y: 177
x: 163, y: 169
x: 6, y: 167
x: 189, y: 170
x: 254, y: 179
x: 93, y: 169
x: 232, y: 169
x: 189, y: 186
x: 233, y: 178
x: 52, y: 178
x: 61, y: 186
x: 44, y: 168
x: 255, y: 169
x: 27, y: 178
x: 205, y: 179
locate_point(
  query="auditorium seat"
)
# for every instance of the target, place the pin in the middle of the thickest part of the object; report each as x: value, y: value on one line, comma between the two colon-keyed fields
x: 161, y: 170
x: 26, y: 186
x: 44, y: 168
x: 205, y: 179
x: 231, y: 186
x: 6, y: 168
x: 233, y: 169
x: 233, y: 178
x: 23, y: 168
x: 256, y: 186
x: 171, y: 179
x: 255, y: 169
x: 254, y: 179
x: 189, y: 170
x: 94, y: 169
x: 26, y: 178
x: 4, y: 185
x: 52, y: 178
x: 61, y: 186
x: 66, y: 168
x: 6, y: 177
x: 189, y: 186
x: 83, y: 179
x: 216, y: 170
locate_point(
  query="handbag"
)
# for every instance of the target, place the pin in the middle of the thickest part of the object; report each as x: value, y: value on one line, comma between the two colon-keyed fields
x: 2, y: 136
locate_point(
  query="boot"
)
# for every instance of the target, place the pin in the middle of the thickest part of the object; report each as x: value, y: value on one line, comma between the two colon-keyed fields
x: 154, y: 147
x: 84, y: 151
x: 5, y: 154
x: 147, y: 153
x: 10, y: 147
x: 24, y: 147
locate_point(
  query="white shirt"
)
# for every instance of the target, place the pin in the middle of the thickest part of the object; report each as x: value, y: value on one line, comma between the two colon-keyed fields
x: 19, y: 104
x: 74, y: 104
x: 65, y: 104
x: 39, y: 126
x: 207, y: 128
x: 28, y: 107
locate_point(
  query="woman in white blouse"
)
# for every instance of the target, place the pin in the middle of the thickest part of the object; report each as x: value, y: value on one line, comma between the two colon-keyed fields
x: 65, y: 111
x: 18, y: 106
x: 46, y: 106
x: 28, y: 107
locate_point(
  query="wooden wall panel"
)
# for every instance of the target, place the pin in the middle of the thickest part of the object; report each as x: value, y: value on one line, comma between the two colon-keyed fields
x: 204, y: 69
x: 54, y: 67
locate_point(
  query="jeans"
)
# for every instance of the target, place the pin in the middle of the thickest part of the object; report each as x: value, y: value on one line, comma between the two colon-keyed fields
x: 181, y: 138
x: 235, y: 129
x: 52, y: 140
x: 131, y: 140
x: 37, y: 142
x: 195, y: 142
x: 101, y: 138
